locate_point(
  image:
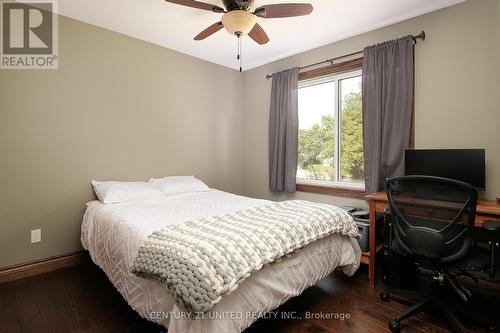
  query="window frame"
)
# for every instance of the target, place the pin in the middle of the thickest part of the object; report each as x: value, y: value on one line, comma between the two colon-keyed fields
x: 334, y: 73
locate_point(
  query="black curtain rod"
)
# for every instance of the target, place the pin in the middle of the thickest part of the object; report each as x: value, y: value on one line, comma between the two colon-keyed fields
x: 415, y: 37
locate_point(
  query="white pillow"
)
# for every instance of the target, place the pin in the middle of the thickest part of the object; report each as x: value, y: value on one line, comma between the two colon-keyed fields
x: 178, y: 184
x: 116, y: 192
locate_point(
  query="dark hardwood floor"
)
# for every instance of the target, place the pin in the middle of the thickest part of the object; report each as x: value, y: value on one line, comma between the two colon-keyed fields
x: 81, y: 299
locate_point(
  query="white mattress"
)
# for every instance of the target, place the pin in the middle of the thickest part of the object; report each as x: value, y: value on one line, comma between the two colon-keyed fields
x: 113, y: 234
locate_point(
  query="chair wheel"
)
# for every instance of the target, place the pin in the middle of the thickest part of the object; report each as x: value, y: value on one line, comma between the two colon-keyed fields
x: 385, y: 296
x: 395, y: 326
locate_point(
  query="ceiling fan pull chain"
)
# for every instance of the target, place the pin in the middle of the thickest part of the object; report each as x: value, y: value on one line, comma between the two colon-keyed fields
x: 241, y: 54
x: 240, y: 50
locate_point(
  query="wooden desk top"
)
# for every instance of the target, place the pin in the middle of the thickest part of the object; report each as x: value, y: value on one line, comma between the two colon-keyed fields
x: 489, y: 207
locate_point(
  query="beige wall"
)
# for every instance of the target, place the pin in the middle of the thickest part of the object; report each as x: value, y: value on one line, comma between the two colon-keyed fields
x: 457, y: 90
x: 117, y: 108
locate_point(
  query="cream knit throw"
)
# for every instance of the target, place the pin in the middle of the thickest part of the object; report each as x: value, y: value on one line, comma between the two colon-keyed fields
x: 201, y: 261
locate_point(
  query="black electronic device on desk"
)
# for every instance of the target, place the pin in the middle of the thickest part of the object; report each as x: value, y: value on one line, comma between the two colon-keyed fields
x: 465, y: 165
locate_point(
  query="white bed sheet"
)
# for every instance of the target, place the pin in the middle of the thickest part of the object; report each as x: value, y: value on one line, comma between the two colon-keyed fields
x: 113, y: 234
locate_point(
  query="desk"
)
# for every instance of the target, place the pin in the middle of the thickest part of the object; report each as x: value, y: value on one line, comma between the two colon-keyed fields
x: 486, y: 211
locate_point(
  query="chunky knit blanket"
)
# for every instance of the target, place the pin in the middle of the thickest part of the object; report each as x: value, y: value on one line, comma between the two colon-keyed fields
x: 201, y: 261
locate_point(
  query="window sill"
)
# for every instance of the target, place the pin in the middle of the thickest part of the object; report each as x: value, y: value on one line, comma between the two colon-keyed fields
x: 339, y: 191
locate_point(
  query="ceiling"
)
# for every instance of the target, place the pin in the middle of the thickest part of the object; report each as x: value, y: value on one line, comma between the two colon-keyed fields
x: 174, y: 26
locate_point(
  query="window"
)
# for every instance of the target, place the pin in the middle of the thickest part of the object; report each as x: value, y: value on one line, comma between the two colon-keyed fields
x: 331, y: 131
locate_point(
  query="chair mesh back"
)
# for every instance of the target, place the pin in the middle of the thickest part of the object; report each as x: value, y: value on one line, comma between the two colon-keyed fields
x: 433, y: 216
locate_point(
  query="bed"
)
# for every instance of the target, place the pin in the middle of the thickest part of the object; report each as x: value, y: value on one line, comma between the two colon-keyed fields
x: 113, y: 233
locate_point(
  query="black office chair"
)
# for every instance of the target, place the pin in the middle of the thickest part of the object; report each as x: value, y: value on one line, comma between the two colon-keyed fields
x: 432, y: 221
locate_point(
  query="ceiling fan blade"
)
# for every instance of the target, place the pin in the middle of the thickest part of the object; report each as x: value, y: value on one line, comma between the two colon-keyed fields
x: 209, y: 31
x: 258, y: 34
x: 198, y: 4
x: 284, y: 10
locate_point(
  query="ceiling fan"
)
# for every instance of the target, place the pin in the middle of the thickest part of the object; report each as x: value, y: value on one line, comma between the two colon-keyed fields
x: 239, y: 20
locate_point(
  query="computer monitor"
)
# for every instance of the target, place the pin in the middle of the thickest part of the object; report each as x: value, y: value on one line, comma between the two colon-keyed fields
x: 466, y: 165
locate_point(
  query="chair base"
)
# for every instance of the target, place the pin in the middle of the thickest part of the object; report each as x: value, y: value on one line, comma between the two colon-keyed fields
x: 419, y: 306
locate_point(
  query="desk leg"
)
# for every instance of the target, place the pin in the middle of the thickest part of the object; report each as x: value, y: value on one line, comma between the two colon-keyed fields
x: 373, y: 245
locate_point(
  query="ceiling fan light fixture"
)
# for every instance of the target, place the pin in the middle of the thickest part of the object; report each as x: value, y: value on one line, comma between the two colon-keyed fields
x: 239, y: 22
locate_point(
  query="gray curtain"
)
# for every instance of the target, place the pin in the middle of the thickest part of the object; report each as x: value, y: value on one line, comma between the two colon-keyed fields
x: 388, y: 83
x: 283, y: 131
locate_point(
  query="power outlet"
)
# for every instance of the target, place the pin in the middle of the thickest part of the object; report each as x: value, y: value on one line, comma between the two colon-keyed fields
x: 36, y: 236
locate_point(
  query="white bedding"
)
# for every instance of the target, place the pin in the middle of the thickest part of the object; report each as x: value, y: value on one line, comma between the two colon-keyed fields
x: 113, y: 234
